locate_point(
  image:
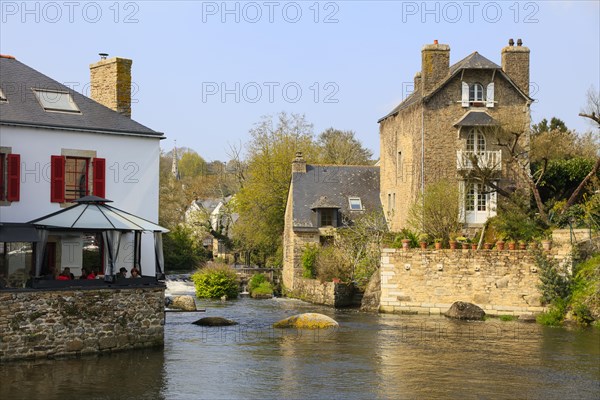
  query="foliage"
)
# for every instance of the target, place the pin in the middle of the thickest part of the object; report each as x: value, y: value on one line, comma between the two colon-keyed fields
x: 262, y: 199
x: 562, y: 177
x: 436, y: 212
x: 309, y: 261
x: 331, y: 264
x: 342, y: 148
x: 515, y: 221
x: 215, y: 281
x: 585, y: 299
x: 191, y: 165
x: 507, y: 317
x: 554, y: 281
x: 256, y: 280
x: 556, y: 124
x: 555, y: 315
x: 181, y: 251
x: 264, y: 289
x: 406, y: 234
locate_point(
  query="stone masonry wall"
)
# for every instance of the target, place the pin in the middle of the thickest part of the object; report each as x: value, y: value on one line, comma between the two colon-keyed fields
x: 428, y: 281
x: 47, y: 324
x: 327, y: 293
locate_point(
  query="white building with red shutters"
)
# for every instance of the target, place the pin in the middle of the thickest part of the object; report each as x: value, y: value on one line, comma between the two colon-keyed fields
x: 57, y: 145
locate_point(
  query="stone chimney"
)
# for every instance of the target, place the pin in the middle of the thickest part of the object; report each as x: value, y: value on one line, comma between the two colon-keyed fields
x: 515, y: 63
x: 299, y: 163
x: 417, y: 80
x: 111, y: 83
x: 435, y: 64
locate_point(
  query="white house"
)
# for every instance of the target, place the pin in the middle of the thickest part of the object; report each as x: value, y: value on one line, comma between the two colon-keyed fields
x: 56, y: 146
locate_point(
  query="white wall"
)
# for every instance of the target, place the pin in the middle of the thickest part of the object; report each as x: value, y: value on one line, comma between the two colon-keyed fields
x: 132, y: 169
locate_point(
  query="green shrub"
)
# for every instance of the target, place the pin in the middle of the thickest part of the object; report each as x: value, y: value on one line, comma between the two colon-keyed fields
x: 331, y: 264
x: 263, y: 289
x: 309, y: 261
x: 181, y: 251
x: 406, y: 234
x: 555, y: 315
x: 256, y: 280
x: 215, y: 281
x: 507, y: 317
x: 586, y: 291
x: 555, y: 283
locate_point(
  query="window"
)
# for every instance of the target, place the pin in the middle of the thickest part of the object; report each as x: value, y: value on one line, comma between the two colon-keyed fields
x: 476, y: 141
x: 10, y: 176
x: 355, y: 203
x: 3, y: 98
x: 56, y: 101
x: 73, y: 177
x: 399, y: 166
x: 475, y: 92
x: 326, y: 217
x: 477, y: 198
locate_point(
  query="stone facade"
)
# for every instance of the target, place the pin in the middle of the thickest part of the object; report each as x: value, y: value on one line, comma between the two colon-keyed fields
x: 111, y: 84
x: 326, y: 293
x: 429, y: 281
x: 419, y: 140
x: 58, y: 323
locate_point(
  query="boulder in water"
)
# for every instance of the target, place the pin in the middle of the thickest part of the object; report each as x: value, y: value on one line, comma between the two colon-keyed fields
x: 214, y: 321
x: 307, y: 321
x: 466, y: 311
x: 185, y: 303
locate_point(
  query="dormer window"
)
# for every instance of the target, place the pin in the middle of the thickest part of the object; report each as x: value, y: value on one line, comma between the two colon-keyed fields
x: 327, y: 217
x: 56, y: 101
x: 3, y: 98
x: 476, y: 93
x: 355, y: 204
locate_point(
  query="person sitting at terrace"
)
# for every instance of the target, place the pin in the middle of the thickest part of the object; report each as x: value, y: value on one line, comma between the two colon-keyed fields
x: 122, y: 273
x: 135, y: 273
x: 65, y: 275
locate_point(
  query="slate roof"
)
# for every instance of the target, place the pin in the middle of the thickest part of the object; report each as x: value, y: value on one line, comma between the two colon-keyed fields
x: 336, y: 183
x: 472, y: 61
x: 23, y: 109
x: 476, y: 118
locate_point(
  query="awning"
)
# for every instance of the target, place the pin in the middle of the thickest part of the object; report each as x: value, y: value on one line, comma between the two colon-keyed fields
x: 92, y: 213
x: 476, y: 118
x: 18, y: 232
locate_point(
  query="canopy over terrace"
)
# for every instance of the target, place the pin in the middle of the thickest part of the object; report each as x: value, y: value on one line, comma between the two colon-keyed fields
x: 91, y: 213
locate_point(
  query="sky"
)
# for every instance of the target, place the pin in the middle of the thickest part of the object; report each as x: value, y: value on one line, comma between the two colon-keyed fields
x: 205, y: 72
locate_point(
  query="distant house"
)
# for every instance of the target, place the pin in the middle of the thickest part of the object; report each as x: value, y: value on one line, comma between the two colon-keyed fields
x: 321, y: 199
x: 56, y: 146
x: 217, y: 219
x: 451, y: 124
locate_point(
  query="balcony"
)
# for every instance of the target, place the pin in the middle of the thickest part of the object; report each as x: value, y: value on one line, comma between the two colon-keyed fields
x: 491, y: 160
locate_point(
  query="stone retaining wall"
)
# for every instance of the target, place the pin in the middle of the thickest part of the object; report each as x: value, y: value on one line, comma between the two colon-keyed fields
x: 327, y: 293
x: 429, y: 281
x: 53, y: 323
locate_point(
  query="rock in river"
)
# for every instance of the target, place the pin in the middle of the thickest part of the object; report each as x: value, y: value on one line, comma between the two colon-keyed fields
x: 185, y: 303
x: 214, y: 321
x: 307, y: 321
x: 463, y: 310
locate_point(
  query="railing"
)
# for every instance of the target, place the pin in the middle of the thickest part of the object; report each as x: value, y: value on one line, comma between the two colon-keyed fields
x: 485, y: 159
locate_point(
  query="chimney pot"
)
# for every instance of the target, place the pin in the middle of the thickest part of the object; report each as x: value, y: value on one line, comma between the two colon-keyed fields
x: 299, y: 163
x: 103, y: 56
x: 435, y: 41
x: 519, y: 42
x: 511, y: 42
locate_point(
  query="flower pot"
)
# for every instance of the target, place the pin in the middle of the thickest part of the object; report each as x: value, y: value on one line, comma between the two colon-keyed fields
x: 500, y: 245
x: 512, y: 246
x: 452, y: 245
x: 547, y: 244
x: 533, y: 245
x: 336, y: 280
x: 522, y: 246
x: 405, y: 244
x: 465, y: 246
x: 438, y: 245
x: 488, y: 246
x: 423, y: 245
x: 473, y: 246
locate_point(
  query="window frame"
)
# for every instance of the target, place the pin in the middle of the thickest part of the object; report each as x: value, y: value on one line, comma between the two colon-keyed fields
x: 475, y: 89
x: 326, y: 214
x: 476, y: 141
x: 39, y: 93
x: 73, y: 189
x: 355, y: 199
x: 3, y: 98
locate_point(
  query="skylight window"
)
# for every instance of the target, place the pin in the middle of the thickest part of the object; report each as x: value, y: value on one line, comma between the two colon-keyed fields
x: 53, y: 100
x: 355, y: 203
x: 3, y: 97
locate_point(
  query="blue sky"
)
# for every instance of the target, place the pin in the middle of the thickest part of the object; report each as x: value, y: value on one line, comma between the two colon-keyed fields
x: 205, y: 72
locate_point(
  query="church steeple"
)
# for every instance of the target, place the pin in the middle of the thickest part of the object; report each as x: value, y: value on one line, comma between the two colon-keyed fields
x: 174, y: 166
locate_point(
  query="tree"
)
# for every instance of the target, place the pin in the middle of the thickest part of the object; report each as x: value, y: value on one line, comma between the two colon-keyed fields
x: 436, y: 212
x: 262, y: 199
x: 556, y: 124
x: 342, y: 148
x: 181, y: 251
x: 191, y: 165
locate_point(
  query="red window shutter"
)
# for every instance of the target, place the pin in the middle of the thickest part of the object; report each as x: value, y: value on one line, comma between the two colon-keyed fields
x: 99, y: 166
x: 57, y: 179
x: 13, y: 174
x: 2, y: 183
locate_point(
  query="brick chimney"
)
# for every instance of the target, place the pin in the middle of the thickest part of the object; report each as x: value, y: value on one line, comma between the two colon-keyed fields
x: 515, y: 63
x: 435, y: 64
x: 299, y: 163
x: 111, y: 83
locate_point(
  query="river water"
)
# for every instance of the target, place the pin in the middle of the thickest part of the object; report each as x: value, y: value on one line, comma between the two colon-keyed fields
x: 368, y: 357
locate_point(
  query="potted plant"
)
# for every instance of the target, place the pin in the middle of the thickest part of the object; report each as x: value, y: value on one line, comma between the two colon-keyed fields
x: 547, y: 243
x: 464, y: 242
x: 522, y: 245
x: 423, y: 240
x: 405, y: 244
x: 533, y: 244
x: 488, y: 246
x: 438, y: 243
x: 452, y: 242
x: 500, y: 245
x: 512, y: 245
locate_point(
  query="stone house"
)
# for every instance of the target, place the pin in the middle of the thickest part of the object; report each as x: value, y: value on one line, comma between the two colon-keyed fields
x: 321, y: 199
x: 452, y: 122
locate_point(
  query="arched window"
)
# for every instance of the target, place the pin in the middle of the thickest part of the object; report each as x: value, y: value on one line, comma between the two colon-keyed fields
x: 476, y: 141
x: 476, y: 92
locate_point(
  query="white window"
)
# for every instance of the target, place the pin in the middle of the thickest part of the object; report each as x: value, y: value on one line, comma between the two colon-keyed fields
x: 476, y: 141
x: 55, y: 101
x: 355, y: 203
x: 475, y: 92
x: 477, y: 198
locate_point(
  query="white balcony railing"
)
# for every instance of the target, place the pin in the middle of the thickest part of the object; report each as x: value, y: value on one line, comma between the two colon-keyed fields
x: 485, y: 159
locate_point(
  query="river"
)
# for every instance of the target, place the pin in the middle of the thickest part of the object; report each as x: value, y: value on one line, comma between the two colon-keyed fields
x: 368, y: 357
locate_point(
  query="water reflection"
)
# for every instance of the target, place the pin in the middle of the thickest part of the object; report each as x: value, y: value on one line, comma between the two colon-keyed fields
x: 369, y: 356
